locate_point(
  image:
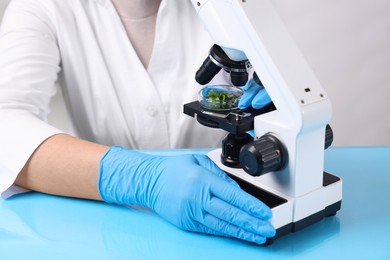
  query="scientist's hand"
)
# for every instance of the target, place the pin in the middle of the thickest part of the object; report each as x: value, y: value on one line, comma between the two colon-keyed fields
x: 254, y: 95
x: 189, y: 191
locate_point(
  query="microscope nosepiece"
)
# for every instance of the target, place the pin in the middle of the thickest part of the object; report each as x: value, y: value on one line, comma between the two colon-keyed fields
x: 218, y: 60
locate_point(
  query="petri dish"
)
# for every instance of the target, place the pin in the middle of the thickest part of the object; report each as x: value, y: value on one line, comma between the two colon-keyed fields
x: 220, y: 97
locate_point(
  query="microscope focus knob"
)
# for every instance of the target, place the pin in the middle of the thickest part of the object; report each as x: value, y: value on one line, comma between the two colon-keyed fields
x: 231, y: 147
x: 328, y: 136
x: 263, y: 155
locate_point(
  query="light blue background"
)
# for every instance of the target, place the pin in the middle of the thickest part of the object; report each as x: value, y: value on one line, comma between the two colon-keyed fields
x: 38, y: 226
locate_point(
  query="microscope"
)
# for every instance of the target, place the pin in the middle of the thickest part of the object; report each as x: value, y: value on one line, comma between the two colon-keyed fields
x: 282, y: 165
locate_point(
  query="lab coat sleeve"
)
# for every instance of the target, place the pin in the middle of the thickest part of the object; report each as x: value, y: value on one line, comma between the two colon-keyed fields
x: 29, y: 64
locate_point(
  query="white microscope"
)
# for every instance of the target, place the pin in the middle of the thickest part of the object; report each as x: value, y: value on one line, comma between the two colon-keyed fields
x: 283, y: 165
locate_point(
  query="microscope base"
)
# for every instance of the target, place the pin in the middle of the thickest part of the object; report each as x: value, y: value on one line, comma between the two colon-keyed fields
x: 290, y: 214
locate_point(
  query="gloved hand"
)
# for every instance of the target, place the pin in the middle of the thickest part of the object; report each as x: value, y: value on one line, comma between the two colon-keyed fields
x: 254, y: 95
x: 189, y: 191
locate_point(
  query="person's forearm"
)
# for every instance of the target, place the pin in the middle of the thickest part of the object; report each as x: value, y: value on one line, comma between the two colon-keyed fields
x: 65, y: 166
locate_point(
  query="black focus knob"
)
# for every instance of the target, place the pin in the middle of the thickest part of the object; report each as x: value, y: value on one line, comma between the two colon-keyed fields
x: 328, y: 136
x: 231, y: 147
x: 263, y: 155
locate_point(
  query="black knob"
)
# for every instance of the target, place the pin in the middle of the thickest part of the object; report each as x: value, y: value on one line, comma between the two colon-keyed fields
x: 328, y: 136
x: 263, y: 155
x: 231, y: 147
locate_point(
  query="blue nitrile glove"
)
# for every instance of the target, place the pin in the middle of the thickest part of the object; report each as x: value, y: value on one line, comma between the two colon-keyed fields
x: 254, y: 95
x: 189, y: 191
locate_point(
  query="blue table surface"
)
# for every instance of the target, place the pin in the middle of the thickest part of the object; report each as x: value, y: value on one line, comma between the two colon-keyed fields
x: 39, y: 226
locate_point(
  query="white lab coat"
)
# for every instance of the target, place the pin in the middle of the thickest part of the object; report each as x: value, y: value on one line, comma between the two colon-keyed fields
x: 83, y: 47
